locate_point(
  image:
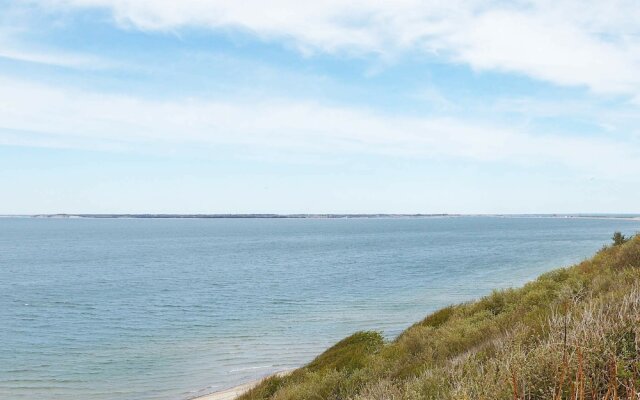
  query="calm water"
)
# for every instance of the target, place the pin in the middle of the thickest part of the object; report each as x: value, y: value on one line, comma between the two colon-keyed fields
x: 168, y: 309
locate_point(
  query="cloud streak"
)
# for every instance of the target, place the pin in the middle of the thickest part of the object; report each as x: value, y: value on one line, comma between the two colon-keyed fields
x: 11, y: 48
x: 36, y: 114
x: 67, y: 60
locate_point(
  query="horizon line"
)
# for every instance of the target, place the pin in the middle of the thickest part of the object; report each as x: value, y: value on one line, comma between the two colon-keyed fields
x: 634, y: 216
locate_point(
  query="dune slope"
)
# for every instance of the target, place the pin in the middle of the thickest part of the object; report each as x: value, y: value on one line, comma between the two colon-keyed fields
x: 574, y: 333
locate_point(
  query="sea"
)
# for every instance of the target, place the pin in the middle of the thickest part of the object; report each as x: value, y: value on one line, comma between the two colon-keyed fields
x: 141, y: 309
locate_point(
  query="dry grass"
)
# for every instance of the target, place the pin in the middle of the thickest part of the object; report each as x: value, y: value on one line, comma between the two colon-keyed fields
x: 574, y: 333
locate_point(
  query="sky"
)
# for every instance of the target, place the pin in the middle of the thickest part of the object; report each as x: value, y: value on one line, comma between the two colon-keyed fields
x: 282, y: 106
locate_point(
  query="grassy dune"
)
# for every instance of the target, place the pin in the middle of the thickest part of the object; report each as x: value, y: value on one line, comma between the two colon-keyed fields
x: 574, y: 333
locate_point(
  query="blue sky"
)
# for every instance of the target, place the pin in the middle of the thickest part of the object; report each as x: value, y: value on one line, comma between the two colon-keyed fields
x: 113, y: 106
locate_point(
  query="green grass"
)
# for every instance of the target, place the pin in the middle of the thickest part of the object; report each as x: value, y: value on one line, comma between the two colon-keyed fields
x: 574, y: 333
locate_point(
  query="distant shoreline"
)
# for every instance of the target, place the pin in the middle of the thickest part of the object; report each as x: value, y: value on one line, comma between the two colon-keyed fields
x: 633, y: 217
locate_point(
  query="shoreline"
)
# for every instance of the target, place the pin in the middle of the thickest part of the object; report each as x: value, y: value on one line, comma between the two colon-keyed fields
x: 238, y: 390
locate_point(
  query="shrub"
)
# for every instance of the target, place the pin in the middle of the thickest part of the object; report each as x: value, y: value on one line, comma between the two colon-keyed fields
x: 618, y: 238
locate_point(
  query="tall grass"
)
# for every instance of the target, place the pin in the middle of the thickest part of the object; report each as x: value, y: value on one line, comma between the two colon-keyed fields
x: 574, y: 333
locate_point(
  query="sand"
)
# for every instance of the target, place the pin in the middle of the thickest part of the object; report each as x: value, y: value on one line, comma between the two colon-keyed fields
x: 237, y: 391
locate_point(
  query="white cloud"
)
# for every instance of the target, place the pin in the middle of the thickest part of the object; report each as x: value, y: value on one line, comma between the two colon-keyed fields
x: 550, y: 50
x: 56, y: 116
x: 595, y: 44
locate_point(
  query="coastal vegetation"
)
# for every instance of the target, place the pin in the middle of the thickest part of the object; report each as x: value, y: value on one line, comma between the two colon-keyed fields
x: 574, y: 333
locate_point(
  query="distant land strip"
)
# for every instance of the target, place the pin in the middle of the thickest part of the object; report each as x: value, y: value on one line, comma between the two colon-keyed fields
x: 240, y: 215
x: 327, y: 216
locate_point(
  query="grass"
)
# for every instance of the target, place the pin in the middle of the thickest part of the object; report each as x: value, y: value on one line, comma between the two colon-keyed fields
x: 574, y: 333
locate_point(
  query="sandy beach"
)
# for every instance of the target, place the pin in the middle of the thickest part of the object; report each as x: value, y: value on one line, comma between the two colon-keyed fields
x: 237, y: 391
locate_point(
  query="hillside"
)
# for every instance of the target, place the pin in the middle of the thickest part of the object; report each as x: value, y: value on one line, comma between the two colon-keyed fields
x: 574, y: 333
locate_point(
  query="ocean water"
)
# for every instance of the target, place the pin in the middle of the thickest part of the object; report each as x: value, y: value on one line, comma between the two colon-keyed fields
x: 128, y: 309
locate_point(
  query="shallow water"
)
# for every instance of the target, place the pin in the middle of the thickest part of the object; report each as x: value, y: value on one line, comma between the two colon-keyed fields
x: 99, y: 309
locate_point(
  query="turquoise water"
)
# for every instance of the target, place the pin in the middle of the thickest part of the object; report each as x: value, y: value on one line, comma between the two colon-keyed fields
x: 99, y: 309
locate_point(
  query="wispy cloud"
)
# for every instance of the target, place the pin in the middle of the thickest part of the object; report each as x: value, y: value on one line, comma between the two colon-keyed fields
x: 13, y: 48
x: 569, y: 42
x: 58, y: 114
x: 58, y: 59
